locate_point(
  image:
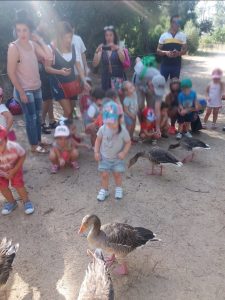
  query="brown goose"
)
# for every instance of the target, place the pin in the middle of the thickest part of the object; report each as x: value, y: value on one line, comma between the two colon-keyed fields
x: 192, y: 145
x: 157, y: 156
x: 97, y: 283
x: 7, y: 255
x: 117, y: 239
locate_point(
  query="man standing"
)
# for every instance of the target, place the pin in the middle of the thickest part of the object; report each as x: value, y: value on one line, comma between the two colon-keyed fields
x: 172, y: 45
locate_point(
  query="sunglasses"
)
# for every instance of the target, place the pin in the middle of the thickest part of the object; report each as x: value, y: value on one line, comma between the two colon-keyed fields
x: 108, y: 28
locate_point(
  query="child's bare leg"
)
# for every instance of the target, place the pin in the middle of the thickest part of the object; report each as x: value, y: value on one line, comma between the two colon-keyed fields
x: 91, y: 130
x: 180, y: 128
x: 105, y: 180
x: 22, y: 192
x: 215, y: 114
x: 188, y: 126
x: 53, y: 158
x: 73, y: 159
x: 129, y: 128
x: 118, y: 179
x: 207, y: 115
x: 6, y: 192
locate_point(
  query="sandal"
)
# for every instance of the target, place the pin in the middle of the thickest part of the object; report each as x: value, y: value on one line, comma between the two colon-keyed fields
x: 45, y: 129
x: 40, y: 150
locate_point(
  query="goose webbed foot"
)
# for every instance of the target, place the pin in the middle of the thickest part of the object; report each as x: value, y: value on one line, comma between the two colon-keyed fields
x: 188, y: 158
x: 121, y: 269
x: 154, y: 172
x: 110, y: 260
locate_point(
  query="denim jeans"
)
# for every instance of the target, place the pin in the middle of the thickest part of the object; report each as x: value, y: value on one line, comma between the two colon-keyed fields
x: 32, y: 115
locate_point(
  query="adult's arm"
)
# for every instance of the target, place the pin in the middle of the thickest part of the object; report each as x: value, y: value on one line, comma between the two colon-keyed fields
x: 42, y: 50
x: 12, y: 61
x: 97, y: 56
x: 49, y: 69
x: 81, y: 74
x: 162, y: 52
x: 9, y: 119
x: 84, y: 60
x: 158, y: 115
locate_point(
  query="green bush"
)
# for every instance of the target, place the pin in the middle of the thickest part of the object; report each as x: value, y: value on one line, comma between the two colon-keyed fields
x: 193, y: 38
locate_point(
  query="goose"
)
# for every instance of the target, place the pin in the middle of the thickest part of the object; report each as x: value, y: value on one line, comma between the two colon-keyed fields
x: 117, y: 239
x: 157, y: 156
x: 97, y: 283
x: 7, y: 255
x: 190, y: 144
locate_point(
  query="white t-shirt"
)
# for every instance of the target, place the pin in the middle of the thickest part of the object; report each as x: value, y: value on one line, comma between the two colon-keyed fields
x: 3, y: 109
x: 79, y: 48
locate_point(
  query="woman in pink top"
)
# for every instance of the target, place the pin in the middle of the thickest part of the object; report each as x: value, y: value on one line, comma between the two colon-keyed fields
x: 22, y: 66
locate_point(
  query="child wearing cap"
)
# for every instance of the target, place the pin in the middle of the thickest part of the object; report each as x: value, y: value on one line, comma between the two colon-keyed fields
x: 63, y: 151
x: 214, y: 91
x: 12, y: 157
x: 187, y: 106
x: 111, y: 147
x: 130, y: 105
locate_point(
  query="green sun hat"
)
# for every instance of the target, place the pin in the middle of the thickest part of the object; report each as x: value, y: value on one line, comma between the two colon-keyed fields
x: 186, y: 83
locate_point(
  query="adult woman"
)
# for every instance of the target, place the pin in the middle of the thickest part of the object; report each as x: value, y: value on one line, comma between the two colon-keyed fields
x: 47, y: 107
x: 62, y: 68
x: 112, y: 57
x: 22, y: 67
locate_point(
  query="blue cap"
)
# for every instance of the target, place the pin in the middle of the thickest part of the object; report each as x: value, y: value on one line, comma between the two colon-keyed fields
x: 111, y: 112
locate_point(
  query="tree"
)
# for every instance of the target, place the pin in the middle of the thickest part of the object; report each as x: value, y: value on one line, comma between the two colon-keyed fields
x: 192, y: 36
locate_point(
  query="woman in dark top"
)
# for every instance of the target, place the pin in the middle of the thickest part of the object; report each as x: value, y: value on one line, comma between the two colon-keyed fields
x: 111, y: 57
x: 62, y: 67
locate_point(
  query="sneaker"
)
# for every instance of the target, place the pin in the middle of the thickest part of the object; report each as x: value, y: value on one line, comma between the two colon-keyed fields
x: 172, y: 130
x: 154, y: 142
x: 75, y: 165
x: 118, y: 193
x: 8, y: 208
x: 214, y: 126
x: 28, y: 208
x: 179, y: 136
x: 188, y: 134
x: 54, y: 169
x: 102, y: 195
x: 204, y: 125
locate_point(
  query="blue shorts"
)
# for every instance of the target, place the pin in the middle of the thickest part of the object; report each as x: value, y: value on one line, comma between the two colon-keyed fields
x: 114, y: 165
x: 128, y: 120
x: 170, y: 71
x: 188, y: 118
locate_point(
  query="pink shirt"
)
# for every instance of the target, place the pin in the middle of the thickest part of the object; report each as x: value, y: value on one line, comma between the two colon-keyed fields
x: 27, y: 70
x: 10, y: 156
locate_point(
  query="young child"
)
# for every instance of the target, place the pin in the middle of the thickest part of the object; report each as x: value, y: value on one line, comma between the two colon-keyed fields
x: 63, y: 151
x: 85, y: 100
x: 148, y: 126
x: 6, y: 118
x: 172, y: 102
x: 114, y: 96
x: 93, y: 113
x: 12, y: 157
x: 187, y: 106
x: 164, y: 120
x: 130, y: 106
x: 214, y: 91
x: 111, y: 147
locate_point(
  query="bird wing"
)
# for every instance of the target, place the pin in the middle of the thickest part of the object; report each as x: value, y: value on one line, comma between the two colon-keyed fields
x: 160, y: 155
x: 194, y: 143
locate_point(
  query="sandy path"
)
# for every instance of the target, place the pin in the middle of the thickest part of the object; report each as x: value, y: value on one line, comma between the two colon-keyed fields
x: 185, y: 207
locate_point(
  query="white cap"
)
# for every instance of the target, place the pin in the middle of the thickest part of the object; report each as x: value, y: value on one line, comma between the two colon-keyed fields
x: 159, y: 83
x: 61, y: 130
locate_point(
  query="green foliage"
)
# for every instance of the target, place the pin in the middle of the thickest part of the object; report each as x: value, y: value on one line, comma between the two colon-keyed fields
x: 192, y: 36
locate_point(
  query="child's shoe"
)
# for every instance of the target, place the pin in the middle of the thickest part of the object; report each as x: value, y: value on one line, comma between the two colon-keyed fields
x: 172, y: 130
x: 28, y: 208
x: 179, y: 136
x: 75, y: 165
x: 119, y: 193
x: 102, y: 195
x: 188, y: 134
x: 214, y: 126
x: 8, y: 208
x: 54, y: 169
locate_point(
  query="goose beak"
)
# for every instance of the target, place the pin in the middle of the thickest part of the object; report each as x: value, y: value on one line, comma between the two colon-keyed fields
x: 82, y: 229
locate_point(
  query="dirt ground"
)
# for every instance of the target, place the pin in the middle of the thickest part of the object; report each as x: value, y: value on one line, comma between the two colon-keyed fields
x: 185, y: 208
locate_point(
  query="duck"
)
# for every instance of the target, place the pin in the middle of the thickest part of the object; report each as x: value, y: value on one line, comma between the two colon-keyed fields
x: 7, y: 255
x: 157, y: 156
x: 97, y: 283
x: 190, y: 144
x: 117, y: 239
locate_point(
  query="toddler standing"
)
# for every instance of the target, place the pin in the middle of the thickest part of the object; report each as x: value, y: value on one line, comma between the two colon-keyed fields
x: 111, y: 147
x: 12, y: 157
x: 214, y: 91
x: 130, y: 105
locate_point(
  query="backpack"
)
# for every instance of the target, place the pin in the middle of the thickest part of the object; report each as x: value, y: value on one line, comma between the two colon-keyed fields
x: 127, y: 62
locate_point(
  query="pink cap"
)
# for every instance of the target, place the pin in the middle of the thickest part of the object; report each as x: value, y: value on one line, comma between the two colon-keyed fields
x: 217, y: 73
